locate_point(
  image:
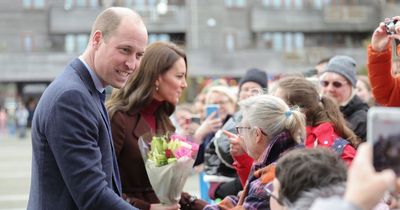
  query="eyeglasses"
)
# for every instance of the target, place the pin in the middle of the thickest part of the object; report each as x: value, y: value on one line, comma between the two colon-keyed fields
x: 269, y: 188
x: 335, y: 84
x: 222, y: 102
x: 240, y: 129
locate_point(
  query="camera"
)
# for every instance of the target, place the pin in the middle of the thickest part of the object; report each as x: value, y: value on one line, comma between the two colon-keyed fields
x: 390, y: 26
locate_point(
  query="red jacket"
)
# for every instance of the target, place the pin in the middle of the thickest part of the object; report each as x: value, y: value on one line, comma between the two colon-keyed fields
x: 385, y: 87
x: 243, y: 165
x: 324, y: 135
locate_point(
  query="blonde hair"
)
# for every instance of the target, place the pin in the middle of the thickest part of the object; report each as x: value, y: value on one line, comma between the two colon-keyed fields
x: 272, y: 115
x: 224, y: 90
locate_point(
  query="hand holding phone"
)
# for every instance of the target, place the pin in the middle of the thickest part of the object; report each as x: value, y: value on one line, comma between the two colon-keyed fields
x: 211, y: 108
x: 384, y: 135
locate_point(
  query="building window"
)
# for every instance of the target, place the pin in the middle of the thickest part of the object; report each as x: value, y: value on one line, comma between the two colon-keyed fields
x: 27, y: 42
x: 94, y: 3
x: 230, y: 42
x: 76, y: 43
x: 235, y: 3
x: 159, y: 37
x: 299, y: 41
x: 140, y: 5
x: 288, y: 42
x: 277, y: 41
x: 129, y: 3
x: 33, y: 4
x: 80, y: 3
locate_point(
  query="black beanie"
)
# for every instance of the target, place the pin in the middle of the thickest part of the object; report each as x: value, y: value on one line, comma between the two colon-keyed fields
x: 254, y: 75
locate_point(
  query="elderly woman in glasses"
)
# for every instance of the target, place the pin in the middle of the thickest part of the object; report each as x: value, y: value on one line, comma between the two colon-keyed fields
x: 338, y: 81
x: 268, y: 129
x: 326, y: 126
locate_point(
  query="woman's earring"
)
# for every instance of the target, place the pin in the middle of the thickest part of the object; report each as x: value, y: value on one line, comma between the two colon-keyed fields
x: 157, y: 88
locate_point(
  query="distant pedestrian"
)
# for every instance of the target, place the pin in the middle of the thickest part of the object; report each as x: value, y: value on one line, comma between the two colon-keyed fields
x: 21, y: 118
x: 3, y: 121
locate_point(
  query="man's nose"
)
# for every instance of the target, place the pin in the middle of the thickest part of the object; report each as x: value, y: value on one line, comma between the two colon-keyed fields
x: 132, y: 62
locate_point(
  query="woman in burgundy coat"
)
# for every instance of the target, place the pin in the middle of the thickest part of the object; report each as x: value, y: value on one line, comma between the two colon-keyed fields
x: 143, y: 106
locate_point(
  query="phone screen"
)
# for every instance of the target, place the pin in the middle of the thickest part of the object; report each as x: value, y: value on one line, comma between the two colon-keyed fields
x: 384, y: 134
x: 211, y: 108
x: 195, y: 119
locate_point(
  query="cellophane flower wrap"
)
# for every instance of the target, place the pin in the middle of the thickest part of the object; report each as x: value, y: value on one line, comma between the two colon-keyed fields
x: 169, y: 161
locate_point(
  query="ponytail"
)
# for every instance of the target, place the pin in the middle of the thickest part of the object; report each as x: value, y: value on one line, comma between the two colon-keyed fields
x: 295, y: 124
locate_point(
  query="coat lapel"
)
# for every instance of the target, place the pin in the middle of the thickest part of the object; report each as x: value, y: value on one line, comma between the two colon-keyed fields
x: 84, y: 74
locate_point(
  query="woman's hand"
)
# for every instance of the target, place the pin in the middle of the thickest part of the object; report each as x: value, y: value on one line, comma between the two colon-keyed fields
x: 236, y: 144
x: 209, y: 125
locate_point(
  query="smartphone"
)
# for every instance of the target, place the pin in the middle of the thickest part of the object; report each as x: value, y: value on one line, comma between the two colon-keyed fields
x: 195, y: 119
x: 384, y: 134
x: 211, y: 108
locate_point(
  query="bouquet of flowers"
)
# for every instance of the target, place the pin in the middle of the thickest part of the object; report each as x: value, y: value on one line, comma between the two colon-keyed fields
x: 168, y: 161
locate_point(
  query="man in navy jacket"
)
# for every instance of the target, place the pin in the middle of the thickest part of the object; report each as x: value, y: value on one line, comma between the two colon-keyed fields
x: 73, y: 163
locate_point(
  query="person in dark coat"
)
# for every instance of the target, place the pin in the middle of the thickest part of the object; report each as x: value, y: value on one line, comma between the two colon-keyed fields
x: 143, y: 107
x: 73, y: 160
x: 339, y: 82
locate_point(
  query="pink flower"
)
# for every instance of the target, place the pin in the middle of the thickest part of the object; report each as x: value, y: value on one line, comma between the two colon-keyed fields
x: 183, y: 152
x: 178, y: 137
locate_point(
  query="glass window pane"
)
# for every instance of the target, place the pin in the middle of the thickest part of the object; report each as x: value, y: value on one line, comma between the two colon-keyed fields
x: 298, y: 4
x: 288, y: 4
x: 81, y: 3
x: 139, y: 5
x: 288, y: 42
x: 318, y: 4
x: 94, y: 3
x: 230, y: 42
x: 28, y: 43
x: 39, y: 4
x: 277, y: 41
x: 152, y: 38
x: 68, y: 4
x: 266, y: 3
x: 299, y: 41
x: 27, y: 4
x: 241, y: 3
x: 82, y: 41
x: 129, y: 3
x: 277, y: 4
x: 164, y: 37
x: 228, y: 3
x: 69, y: 43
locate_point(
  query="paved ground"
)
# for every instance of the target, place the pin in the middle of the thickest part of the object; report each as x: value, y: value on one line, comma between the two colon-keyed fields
x: 15, y: 170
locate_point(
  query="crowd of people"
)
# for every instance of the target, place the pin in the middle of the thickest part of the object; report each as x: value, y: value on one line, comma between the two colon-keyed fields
x: 286, y: 144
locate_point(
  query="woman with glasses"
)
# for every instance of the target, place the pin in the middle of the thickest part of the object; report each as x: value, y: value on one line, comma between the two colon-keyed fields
x: 338, y: 81
x: 219, y: 159
x: 326, y: 126
x: 268, y: 129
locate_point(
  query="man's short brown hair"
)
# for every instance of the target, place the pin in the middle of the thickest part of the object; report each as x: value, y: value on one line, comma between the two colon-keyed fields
x: 304, y: 169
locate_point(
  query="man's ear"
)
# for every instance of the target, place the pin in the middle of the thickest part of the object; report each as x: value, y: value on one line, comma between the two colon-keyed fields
x: 97, y: 39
